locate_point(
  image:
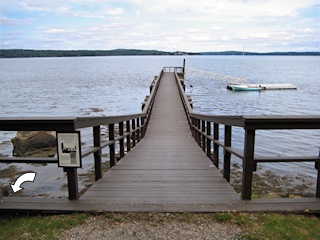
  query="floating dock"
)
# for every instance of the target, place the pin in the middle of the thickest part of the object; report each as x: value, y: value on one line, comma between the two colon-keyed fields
x: 266, y: 86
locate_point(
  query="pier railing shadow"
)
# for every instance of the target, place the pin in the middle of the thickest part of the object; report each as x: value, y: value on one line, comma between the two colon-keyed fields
x: 205, y: 130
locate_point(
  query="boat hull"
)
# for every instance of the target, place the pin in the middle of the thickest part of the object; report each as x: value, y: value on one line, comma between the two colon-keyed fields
x: 244, y: 88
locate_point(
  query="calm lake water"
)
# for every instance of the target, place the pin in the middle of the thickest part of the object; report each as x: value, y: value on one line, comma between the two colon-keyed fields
x: 101, y: 86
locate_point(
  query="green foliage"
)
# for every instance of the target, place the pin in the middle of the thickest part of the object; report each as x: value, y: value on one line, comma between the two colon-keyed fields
x: 253, y: 225
x: 36, y: 227
x: 273, y: 226
x: 23, y: 53
x: 223, y: 217
x: 277, y: 226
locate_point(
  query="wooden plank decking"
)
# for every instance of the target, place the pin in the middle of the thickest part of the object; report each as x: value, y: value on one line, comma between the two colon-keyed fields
x: 165, y: 172
x: 167, y: 166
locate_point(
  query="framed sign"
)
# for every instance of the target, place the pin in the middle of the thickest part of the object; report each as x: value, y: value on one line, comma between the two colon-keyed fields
x: 69, y: 149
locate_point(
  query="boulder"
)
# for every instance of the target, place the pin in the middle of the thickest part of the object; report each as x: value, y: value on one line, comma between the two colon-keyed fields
x: 32, y: 143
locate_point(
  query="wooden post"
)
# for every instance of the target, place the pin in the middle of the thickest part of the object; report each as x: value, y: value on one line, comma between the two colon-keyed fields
x: 318, y: 180
x: 128, y: 137
x: 133, y: 121
x: 227, y: 155
x: 111, y: 146
x: 143, y: 129
x: 138, y: 131
x: 121, y: 140
x: 317, y: 166
x: 215, y: 145
x: 97, y: 154
x: 208, y: 140
x: 193, y: 130
x: 203, y: 130
x: 72, y: 182
x: 184, y: 65
x: 198, y: 132
x: 248, y: 164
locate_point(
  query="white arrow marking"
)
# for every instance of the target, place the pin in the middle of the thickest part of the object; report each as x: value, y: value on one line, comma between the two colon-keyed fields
x: 27, y: 177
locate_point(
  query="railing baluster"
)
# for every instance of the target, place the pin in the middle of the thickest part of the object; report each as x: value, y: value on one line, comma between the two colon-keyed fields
x: 138, y: 131
x: 198, y: 132
x: 129, y: 136
x: 133, y: 121
x: 72, y: 182
x: 317, y: 165
x: 143, y: 127
x: 208, y: 140
x: 248, y: 164
x: 121, y: 141
x: 227, y: 155
x: 111, y: 146
x: 97, y: 154
x: 216, y: 146
x: 203, y: 129
x: 193, y: 129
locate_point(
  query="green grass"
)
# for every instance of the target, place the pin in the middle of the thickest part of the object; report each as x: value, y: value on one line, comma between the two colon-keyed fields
x: 254, y: 225
x: 274, y: 226
x: 36, y: 227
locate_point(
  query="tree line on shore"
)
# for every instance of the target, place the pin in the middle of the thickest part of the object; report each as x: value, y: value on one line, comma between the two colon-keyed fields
x: 24, y: 53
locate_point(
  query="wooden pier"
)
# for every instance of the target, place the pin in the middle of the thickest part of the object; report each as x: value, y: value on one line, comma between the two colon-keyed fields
x: 166, y: 171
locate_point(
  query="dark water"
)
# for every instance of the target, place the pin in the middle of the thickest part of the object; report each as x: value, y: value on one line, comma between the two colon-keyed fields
x: 98, y: 86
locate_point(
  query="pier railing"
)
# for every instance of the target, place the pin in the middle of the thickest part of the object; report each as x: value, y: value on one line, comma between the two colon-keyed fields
x: 130, y: 130
x: 205, y: 130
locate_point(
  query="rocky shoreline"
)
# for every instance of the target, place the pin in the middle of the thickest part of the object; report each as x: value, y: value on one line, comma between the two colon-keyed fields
x: 266, y: 184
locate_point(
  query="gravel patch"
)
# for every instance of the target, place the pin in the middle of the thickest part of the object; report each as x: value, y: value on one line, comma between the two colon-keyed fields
x: 153, y: 226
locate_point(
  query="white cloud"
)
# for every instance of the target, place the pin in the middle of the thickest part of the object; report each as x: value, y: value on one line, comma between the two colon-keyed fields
x: 14, y: 21
x: 59, y: 31
x: 114, y: 11
x: 185, y: 25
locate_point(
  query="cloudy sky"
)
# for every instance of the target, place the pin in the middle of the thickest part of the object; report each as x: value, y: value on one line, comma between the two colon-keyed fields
x: 197, y: 25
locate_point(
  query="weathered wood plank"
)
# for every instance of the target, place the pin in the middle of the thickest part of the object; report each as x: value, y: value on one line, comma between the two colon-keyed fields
x: 165, y: 172
x: 167, y: 166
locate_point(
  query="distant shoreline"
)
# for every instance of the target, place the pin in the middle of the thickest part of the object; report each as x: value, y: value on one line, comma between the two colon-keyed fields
x: 29, y: 53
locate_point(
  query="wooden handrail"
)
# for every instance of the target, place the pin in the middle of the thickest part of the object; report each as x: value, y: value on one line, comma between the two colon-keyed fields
x: 200, y: 126
x: 200, y: 123
x: 136, y: 125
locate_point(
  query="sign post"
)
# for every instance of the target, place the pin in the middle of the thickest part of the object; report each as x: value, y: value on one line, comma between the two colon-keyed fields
x: 69, y: 149
x: 69, y: 157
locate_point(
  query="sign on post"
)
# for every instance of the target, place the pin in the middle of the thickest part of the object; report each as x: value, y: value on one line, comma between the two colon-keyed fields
x: 69, y: 149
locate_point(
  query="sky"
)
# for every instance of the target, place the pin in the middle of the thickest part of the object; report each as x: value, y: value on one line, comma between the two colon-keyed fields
x: 174, y: 25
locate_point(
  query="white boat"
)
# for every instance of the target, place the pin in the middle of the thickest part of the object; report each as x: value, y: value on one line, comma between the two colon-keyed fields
x: 244, y: 88
x: 263, y: 86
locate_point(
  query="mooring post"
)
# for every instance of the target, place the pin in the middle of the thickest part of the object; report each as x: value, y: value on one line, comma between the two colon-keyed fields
x: 72, y: 182
x: 97, y: 154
